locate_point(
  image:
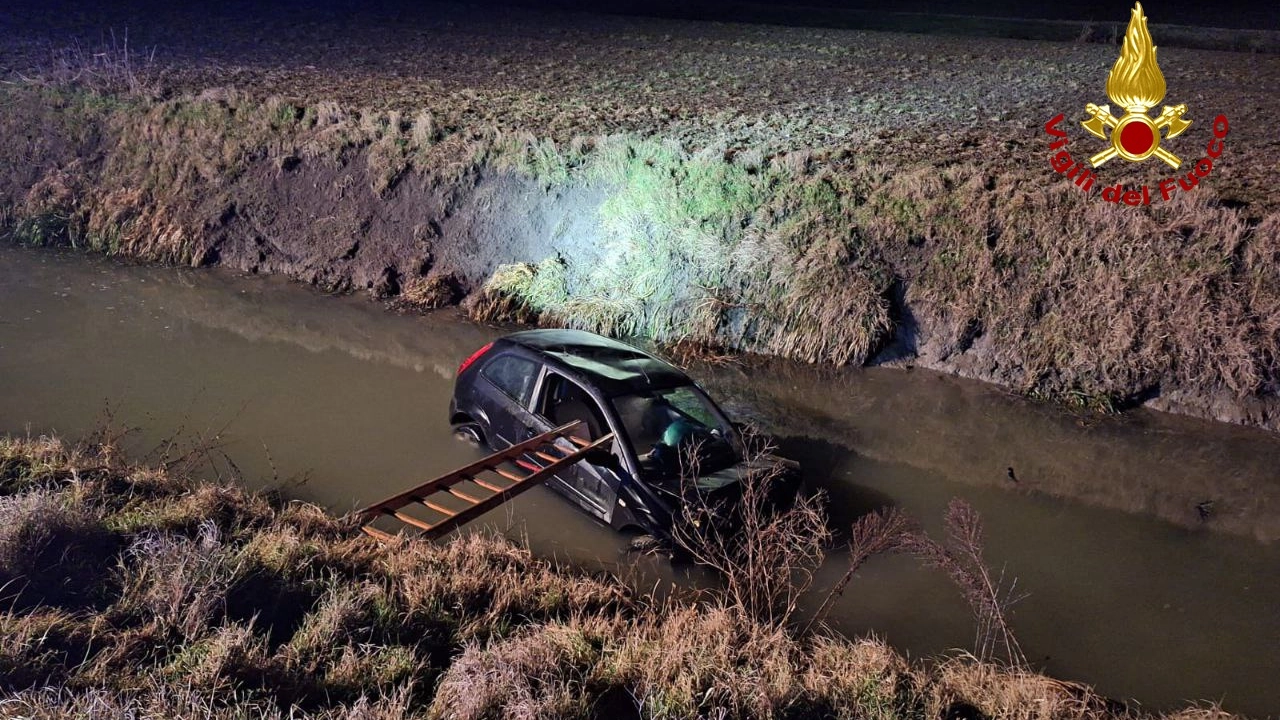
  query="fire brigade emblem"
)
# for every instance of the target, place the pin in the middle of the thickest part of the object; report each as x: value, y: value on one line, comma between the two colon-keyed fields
x: 1136, y: 84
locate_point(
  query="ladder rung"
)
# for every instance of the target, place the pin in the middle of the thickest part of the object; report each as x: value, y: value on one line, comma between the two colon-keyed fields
x: 487, y: 485
x: 487, y: 463
x: 459, y: 494
x: 409, y: 520
x: 377, y: 534
x: 524, y: 456
x: 576, y: 440
x: 439, y: 508
x: 508, y: 475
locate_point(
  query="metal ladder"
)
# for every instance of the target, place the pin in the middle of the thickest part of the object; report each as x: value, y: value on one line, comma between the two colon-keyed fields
x: 499, y: 491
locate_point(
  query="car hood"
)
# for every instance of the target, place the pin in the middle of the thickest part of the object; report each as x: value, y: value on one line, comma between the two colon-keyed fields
x: 719, y: 480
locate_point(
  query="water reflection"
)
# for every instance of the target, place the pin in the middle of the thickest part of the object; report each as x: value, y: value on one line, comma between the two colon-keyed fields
x: 353, y: 399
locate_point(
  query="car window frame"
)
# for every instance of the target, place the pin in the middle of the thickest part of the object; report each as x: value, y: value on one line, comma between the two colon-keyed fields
x: 618, y: 447
x: 536, y: 402
x: 707, y: 403
x: 625, y: 438
x: 537, y: 373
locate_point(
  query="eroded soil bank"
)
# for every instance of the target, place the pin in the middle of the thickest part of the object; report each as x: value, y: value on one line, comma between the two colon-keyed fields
x: 870, y: 204
x: 271, y: 188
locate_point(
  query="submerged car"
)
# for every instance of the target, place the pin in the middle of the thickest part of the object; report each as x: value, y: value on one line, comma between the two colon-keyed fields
x: 664, y: 425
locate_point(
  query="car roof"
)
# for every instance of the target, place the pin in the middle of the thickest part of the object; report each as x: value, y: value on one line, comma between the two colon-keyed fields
x: 614, y: 367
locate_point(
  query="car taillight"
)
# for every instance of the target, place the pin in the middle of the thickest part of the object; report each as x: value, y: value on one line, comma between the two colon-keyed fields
x: 474, y: 357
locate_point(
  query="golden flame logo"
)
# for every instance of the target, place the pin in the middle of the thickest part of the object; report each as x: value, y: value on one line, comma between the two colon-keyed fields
x: 1136, y: 84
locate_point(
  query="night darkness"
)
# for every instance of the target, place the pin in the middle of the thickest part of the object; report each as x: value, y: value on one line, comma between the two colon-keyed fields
x: 1206, y: 14
x: 957, y: 260
x: 832, y: 13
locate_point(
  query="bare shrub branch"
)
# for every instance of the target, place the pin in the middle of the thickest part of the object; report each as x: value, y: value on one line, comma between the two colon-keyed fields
x: 985, y: 592
x: 766, y: 555
x: 874, y: 533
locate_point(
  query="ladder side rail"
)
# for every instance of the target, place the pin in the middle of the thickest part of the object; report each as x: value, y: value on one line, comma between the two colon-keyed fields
x: 412, y: 494
x: 493, y: 501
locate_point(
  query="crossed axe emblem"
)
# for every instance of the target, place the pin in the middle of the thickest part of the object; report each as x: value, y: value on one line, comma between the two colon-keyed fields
x: 1135, y: 136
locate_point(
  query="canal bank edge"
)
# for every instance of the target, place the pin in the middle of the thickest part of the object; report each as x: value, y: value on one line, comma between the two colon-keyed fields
x: 967, y: 432
x: 832, y: 255
x: 283, y: 608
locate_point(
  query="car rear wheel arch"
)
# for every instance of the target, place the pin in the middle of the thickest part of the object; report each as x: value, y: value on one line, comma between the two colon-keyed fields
x: 468, y: 428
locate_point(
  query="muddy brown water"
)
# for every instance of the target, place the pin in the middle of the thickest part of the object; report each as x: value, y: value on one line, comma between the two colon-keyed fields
x: 339, y: 402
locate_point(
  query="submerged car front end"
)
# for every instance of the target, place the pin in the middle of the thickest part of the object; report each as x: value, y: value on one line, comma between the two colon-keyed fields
x: 680, y: 506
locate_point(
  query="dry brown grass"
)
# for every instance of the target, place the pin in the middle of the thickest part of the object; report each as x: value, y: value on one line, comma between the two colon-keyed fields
x: 1077, y: 297
x: 429, y: 293
x: 540, y: 672
x: 52, y: 551
x: 111, y: 66
x: 864, y: 679
x: 180, y: 582
x: 182, y: 702
x: 221, y: 591
x: 1015, y: 694
x: 218, y: 662
x: 695, y: 661
x: 797, y: 253
x: 278, y: 610
x: 484, y: 582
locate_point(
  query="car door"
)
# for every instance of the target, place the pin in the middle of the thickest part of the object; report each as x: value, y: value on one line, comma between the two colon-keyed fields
x: 559, y: 401
x: 506, y: 386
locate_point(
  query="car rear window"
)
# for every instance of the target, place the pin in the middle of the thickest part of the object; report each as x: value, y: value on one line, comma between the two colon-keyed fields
x: 513, y: 375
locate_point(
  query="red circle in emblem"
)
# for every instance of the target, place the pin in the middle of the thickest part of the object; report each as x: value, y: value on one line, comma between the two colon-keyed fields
x: 1136, y: 138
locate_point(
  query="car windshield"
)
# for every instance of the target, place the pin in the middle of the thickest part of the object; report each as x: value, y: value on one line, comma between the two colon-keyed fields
x: 663, y: 424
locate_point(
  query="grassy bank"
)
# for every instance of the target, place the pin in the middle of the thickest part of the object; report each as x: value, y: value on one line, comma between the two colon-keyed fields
x: 818, y: 255
x: 136, y: 590
x: 815, y: 195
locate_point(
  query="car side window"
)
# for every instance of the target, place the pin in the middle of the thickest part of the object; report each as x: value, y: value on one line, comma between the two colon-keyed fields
x: 513, y: 375
x: 563, y: 401
x: 687, y: 401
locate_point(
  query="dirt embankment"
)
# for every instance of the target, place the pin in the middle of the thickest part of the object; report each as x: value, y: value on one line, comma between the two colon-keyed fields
x: 827, y: 196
